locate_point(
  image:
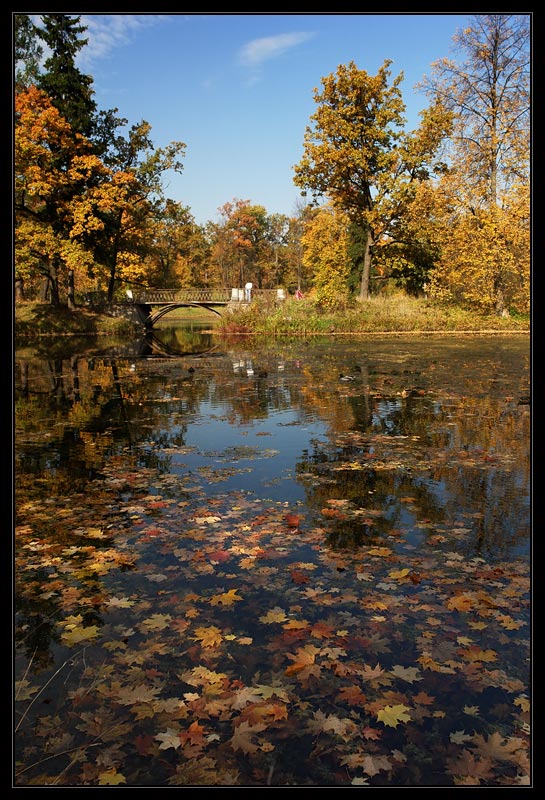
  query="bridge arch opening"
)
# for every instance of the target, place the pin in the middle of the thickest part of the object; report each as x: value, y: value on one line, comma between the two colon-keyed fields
x: 154, y: 317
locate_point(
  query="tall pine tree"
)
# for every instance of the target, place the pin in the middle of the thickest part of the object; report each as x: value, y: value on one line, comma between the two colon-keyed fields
x: 69, y: 89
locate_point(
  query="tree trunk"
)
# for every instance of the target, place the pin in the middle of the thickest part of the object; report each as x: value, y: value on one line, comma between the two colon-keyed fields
x: 71, y: 301
x: 19, y: 290
x: 366, y: 271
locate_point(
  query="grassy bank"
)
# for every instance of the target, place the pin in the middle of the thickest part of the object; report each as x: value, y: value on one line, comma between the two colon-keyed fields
x: 42, y: 319
x: 397, y: 314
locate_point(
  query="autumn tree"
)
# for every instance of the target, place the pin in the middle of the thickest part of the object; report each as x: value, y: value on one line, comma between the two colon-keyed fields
x: 116, y: 220
x: 486, y: 247
x: 238, y: 243
x: 325, y: 251
x: 52, y: 170
x: 358, y: 155
x: 180, y: 251
x: 297, y: 274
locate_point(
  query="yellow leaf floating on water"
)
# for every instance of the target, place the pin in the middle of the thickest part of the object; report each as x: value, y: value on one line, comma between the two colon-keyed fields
x: 157, y: 622
x: 225, y: 599
x: 209, y: 637
x: 393, y: 715
x: 476, y: 654
x: 76, y: 635
x: 276, y: 614
x: 399, y: 573
x: 111, y: 778
x: 379, y: 551
x: 460, y: 603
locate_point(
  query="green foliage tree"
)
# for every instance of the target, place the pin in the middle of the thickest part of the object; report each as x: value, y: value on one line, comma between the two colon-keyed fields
x: 69, y: 89
x: 28, y: 51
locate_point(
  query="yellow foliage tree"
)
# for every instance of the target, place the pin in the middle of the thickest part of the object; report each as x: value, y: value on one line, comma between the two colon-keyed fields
x: 325, y: 251
x: 52, y: 169
x: 482, y: 206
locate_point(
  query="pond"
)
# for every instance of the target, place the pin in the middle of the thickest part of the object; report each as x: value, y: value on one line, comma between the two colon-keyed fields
x: 293, y: 563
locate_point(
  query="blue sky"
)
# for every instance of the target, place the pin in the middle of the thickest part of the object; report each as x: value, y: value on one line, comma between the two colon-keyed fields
x: 238, y: 88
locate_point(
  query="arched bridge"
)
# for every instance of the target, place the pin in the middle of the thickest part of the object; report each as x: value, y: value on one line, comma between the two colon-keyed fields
x: 153, y: 304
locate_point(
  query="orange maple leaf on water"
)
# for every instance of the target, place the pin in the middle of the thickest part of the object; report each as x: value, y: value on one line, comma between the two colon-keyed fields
x: 303, y: 658
x: 393, y: 715
x: 209, y: 637
x: 353, y: 695
x: 460, y: 602
x: 371, y: 733
x: 242, y: 738
x: 225, y: 599
x: 476, y: 654
x: 260, y: 712
x: 298, y: 576
x: 498, y: 747
x: 368, y: 673
x: 194, y: 735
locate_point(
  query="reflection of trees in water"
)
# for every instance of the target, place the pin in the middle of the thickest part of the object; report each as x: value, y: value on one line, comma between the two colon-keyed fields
x: 375, y: 496
x: 465, y: 465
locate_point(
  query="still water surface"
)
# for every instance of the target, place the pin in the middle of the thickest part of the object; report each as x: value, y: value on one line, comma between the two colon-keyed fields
x: 291, y: 563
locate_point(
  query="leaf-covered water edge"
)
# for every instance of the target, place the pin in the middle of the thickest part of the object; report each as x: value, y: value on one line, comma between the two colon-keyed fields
x: 193, y: 639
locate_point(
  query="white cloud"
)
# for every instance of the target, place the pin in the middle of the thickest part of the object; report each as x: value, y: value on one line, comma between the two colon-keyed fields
x: 255, y: 53
x: 106, y: 32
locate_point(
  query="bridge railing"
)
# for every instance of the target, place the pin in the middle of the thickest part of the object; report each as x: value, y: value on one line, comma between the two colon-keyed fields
x: 183, y: 295
x: 199, y: 295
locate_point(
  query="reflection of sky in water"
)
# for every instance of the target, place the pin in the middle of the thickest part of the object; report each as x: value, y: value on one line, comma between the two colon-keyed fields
x: 269, y: 448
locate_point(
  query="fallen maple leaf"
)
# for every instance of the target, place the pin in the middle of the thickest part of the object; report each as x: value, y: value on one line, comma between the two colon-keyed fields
x: 302, y: 658
x: 498, y: 747
x: 398, y: 574
x: 157, y: 622
x: 274, y: 615
x: 242, y: 738
x: 225, y: 599
x: 374, y: 764
x: 476, y: 654
x: 368, y: 673
x: 393, y: 715
x: 194, y: 734
x: 111, y: 777
x: 460, y: 603
x: 168, y: 739
x: 209, y: 637
x: 408, y: 674
x: 76, y: 635
x: 353, y: 695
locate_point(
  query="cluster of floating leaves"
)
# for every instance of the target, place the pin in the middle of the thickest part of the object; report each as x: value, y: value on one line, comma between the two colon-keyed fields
x: 185, y: 638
